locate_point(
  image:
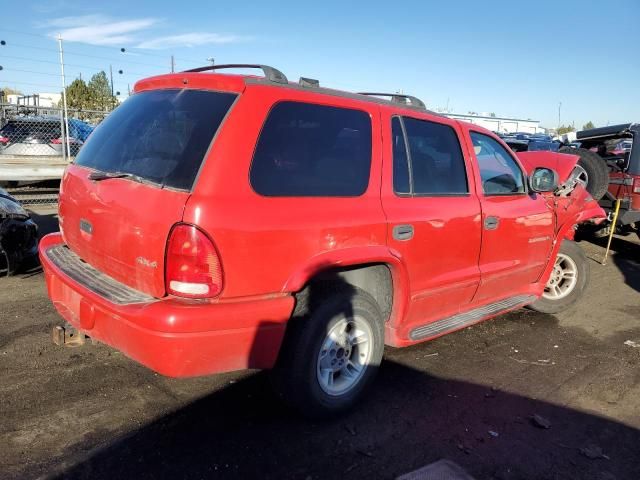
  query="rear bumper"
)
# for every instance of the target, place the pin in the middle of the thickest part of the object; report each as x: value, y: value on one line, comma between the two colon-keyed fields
x: 171, y: 336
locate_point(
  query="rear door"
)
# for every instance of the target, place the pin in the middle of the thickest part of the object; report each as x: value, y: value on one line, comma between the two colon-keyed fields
x: 517, y: 226
x: 433, y: 215
x: 155, y: 142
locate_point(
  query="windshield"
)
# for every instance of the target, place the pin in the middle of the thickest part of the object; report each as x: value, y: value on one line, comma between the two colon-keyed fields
x: 161, y: 136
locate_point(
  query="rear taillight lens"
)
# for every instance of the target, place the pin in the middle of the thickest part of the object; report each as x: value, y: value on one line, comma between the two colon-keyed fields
x: 4, y: 140
x: 193, y: 268
x: 636, y: 185
x: 58, y: 141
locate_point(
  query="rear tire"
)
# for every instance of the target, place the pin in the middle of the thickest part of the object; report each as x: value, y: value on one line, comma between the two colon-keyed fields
x: 568, y: 280
x: 331, y: 353
x: 595, y: 167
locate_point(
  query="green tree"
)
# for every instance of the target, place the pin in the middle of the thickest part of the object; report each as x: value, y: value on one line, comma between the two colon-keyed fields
x: 100, y: 90
x: 565, y: 129
x: 78, y: 95
x: 588, y: 125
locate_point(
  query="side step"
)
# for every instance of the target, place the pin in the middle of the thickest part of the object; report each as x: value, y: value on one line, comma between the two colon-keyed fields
x: 468, y: 318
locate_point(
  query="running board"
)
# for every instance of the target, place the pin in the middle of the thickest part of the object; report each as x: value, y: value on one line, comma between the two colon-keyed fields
x: 468, y: 318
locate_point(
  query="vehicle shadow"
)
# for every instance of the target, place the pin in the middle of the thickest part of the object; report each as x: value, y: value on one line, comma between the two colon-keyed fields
x: 410, y: 418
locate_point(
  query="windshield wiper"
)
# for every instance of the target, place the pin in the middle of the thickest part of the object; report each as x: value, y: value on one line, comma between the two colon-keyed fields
x: 99, y: 176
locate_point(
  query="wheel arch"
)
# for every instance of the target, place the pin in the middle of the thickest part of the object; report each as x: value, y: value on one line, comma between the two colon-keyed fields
x: 373, y: 269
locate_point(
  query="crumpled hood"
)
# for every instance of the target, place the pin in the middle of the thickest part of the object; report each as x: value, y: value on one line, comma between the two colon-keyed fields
x: 562, y: 163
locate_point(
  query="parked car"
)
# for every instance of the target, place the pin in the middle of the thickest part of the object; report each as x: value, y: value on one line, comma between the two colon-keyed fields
x: 614, y: 149
x: 31, y: 147
x: 220, y: 222
x: 18, y: 235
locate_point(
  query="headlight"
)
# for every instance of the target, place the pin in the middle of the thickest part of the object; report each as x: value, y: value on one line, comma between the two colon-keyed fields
x: 11, y: 207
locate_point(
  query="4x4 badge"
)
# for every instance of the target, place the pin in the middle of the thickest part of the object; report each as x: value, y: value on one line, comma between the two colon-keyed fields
x: 147, y: 263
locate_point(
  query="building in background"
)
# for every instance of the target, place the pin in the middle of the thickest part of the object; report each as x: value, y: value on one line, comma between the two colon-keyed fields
x: 45, y: 100
x: 499, y: 124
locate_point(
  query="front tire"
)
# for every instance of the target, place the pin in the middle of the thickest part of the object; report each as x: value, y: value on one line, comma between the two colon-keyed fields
x: 331, y: 353
x: 568, y: 281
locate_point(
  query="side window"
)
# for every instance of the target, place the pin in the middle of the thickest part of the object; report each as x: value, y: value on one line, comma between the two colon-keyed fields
x: 499, y: 172
x: 312, y: 151
x: 401, y: 178
x: 435, y: 162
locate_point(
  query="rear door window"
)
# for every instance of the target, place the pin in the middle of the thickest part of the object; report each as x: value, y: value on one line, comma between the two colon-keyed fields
x: 434, y: 166
x: 160, y: 135
x: 311, y: 150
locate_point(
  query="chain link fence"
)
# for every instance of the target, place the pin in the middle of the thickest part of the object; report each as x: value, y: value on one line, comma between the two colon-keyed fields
x: 36, y: 144
x: 40, y: 131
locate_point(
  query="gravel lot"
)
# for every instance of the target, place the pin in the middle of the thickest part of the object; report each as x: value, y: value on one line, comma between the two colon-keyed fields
x: 91, y: 413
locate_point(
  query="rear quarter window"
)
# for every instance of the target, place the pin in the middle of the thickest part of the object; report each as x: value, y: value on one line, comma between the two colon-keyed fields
x: 311, y: 150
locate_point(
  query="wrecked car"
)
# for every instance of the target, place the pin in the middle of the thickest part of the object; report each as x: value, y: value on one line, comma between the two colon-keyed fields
x: 220, y: 222
x: 18, y: 235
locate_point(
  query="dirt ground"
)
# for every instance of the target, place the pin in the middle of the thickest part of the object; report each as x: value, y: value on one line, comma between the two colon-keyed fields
x: 91, y: 413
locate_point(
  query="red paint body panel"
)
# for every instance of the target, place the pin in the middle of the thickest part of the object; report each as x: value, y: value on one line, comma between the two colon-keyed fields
x: 171, y: 336
x: 441, y: 259
x: 129, y: 222
x: 562, y: 163
x: 269, y: 247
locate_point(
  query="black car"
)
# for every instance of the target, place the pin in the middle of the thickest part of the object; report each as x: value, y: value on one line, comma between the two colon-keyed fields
x: 18, y: 235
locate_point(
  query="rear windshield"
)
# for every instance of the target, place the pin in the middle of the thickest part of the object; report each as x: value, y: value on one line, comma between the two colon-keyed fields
x: 161, y: 135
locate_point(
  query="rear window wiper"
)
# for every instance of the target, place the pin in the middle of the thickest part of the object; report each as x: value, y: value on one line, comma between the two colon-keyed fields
x: 99, y: 176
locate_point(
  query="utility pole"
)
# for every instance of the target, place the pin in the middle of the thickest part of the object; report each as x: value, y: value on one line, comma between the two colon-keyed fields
x: 559, y: 108
x: 212, y: 60
x: 173, y: 64
x: 64, y: 122
x: 112, y: 96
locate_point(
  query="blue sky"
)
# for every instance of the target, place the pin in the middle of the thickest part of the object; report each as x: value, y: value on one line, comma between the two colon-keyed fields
x: 483, y: 56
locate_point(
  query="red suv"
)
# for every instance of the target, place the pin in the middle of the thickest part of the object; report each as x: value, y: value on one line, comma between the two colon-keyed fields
x: 221, y: 222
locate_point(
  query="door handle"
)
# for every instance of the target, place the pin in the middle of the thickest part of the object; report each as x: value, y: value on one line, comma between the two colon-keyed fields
x: 403, y: 232
x: 491, y: 223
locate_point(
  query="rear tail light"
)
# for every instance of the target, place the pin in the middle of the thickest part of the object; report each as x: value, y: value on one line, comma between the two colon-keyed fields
x: 636, y: 185
x: 193, y: 268
x: 4, y: 140
x: 58, y: 141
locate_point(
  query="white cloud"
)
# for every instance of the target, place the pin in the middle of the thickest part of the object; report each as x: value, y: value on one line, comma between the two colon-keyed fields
x: 100, y: 29
x: 135, y: 32
x: 189, y: 40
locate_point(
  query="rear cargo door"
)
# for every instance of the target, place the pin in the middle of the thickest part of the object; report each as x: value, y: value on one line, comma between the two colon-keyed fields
x: 131, y: 180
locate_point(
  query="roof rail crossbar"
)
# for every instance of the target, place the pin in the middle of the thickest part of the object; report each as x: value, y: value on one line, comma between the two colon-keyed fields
x: 270, y: 73
x: 398, y: 98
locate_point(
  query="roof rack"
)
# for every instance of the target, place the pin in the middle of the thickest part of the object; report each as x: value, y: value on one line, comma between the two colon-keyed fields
x: 399, y: 98
x: 270, y: 73
x: 309, y: 82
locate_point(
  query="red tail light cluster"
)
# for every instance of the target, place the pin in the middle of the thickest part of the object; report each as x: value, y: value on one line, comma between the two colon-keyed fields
x: 4, y: 140
x: 58, y: 141
x: 193, y: 268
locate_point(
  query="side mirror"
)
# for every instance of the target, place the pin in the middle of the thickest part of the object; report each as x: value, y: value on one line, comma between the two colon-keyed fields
x: 543, y: 180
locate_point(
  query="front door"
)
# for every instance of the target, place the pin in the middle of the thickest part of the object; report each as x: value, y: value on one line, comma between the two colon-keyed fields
x: 433, y: 216
x: 517, y: 226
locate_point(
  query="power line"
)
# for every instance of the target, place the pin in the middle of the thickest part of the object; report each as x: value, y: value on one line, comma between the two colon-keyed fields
x: 86, y: 67
x: 123, y: 50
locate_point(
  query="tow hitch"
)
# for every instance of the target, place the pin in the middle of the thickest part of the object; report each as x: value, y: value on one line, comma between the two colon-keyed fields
x: 69, y: 336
